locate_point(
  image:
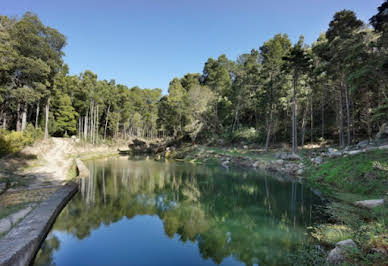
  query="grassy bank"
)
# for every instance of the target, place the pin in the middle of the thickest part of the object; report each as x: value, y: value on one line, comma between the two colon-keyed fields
x: 345, y: 180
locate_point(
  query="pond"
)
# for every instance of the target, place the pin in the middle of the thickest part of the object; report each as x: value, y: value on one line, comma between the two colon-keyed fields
x: 140, y: 211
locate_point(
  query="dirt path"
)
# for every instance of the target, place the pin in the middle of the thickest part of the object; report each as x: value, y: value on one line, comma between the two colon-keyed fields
x: 55, y: 162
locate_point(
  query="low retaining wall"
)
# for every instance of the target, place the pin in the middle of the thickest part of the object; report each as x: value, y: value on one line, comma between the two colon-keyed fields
x: 21, y: 244
x: 83, y: 171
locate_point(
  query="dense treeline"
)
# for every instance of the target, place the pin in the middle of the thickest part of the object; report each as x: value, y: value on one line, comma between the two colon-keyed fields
x: 281, y: 92
x: 334, y: 89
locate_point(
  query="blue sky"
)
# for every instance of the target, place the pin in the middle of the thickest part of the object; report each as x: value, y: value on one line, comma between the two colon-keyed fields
x: 148, y: 42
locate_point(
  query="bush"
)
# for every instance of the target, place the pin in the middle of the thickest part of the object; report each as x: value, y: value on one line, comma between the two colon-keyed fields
x: 12, y: 141
x: 249, y: 135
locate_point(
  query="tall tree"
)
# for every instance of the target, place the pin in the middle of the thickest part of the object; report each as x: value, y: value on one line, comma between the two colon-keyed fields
x: 341, y: 30
x: 298, y: 61
x: 272, y: 53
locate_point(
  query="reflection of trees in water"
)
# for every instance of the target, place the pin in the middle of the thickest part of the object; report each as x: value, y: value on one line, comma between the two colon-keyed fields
x: 45, y: 254
x: 253, y: 219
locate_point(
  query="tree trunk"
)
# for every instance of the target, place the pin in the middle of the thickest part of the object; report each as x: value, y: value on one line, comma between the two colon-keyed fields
x: 269, y: 123
x: 323, y: 113
x: 369, y: 116
x: 3, y: 119
x: 37, y: 116
x: 347, y: 114
x: 294, y: 129
x: 106, y: 121
x: 96, y: 124
x: 79, y: 127
x: 86, y: 127
x: 341, y: 120
x: 304, y: 125
x: 18, y: 125
x: 24, y: 116
x: 311, y: 120
x: 47, y: 110
x: 269, y: 127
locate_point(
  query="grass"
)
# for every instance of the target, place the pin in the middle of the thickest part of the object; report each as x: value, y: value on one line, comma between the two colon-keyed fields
x: 8, y: 210
x: 356, y: 174
x: 346, y: 180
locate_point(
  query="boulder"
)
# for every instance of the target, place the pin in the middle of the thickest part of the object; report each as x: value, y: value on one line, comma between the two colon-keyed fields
x: 3, y: 187
x: 338, y: 254
x: 225, y: 164
x: 333, y: 153
x: 383, y: 132
x: 317, y: 160
x: 354, y: 152
x: 363, y: 144
x: 369, y: 204
x: 288, y: 156
x: 138, y: 146
x: 280, y: 161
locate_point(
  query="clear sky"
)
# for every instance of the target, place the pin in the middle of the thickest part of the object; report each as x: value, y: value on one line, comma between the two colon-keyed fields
x: 148, y: 42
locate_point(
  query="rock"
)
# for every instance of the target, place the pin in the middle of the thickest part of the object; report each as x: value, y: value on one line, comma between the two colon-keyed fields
x: 384, y: 147
x: 333, y: 153
x: 383, y: 132
x: 138, y: 146
x: 83, y: 171
x: 299, y: 172
x: 370, y: 204
x: 225, y: 163
x: 288, y: 156
x: 379, y: 250
x: 280, y: 161
x: 245, y: 147
x: 338, y: 254
x: 290, y: 168
x: 317, y: 160
x: 363, y: 144
x: 332, y: 150
x: 3, y: 186
x: 5, y: 225
x: 354, y: 152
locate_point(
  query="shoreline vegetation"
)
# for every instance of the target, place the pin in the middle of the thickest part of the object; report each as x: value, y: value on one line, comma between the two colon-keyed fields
x: 318, y: 112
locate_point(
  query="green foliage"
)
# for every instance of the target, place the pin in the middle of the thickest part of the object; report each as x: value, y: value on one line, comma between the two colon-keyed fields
x: 248, y: 135
x: 355, y: 174
x: 343, y: 76
x: 65, y: 117
x: 12, y: 141
x: 330, y: 234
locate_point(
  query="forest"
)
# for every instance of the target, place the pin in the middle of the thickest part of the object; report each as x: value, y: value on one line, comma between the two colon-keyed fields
x: 334, y: 89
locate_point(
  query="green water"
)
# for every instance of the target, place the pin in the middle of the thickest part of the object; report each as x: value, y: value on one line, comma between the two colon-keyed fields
x: 144, y: 212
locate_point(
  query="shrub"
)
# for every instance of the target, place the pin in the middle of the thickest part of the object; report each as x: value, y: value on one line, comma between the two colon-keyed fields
x: 12, y: 141
x: 249, y: 135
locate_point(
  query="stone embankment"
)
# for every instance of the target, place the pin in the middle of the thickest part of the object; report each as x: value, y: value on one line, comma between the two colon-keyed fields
x: 20, y: 245
x: 28, y: 227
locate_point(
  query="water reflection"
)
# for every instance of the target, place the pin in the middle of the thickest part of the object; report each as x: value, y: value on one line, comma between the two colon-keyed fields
x: 228, y: 216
